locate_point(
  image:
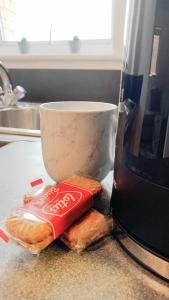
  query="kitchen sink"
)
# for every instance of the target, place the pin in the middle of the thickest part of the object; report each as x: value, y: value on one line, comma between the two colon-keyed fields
x: 20, y: 117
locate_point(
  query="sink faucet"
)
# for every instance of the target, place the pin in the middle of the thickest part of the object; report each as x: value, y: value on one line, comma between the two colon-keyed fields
x: 8, y: 95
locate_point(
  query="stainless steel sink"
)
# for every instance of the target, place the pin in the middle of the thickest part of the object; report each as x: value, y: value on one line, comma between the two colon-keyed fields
x: 20, y: 117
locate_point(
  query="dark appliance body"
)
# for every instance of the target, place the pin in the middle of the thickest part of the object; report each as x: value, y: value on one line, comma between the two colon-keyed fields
x: 141, y: 195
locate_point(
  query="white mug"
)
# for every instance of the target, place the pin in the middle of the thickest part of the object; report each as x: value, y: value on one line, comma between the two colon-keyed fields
x: 78, y: 138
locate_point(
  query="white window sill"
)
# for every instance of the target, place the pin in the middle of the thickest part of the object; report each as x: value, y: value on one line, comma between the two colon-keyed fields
x: 62, y: 61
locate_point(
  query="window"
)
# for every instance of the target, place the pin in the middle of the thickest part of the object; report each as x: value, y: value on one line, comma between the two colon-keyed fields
x: 45, y: 20
x: 49, y: 25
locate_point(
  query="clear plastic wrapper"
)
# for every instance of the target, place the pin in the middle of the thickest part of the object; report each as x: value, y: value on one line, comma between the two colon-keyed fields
x: 47, y: 212
x: 87, y: 230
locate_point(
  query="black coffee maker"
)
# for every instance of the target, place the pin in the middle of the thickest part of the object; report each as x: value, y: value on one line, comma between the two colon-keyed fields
x: 141, y: 190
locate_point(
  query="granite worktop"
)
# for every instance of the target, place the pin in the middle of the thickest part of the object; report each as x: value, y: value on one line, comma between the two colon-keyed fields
x: 103, y: 272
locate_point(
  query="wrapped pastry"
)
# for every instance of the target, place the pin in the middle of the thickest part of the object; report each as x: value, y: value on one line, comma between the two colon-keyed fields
x: 87, y: 230
x: 46, y: 215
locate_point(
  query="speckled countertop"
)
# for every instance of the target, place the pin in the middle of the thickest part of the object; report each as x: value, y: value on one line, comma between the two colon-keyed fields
x: 57, y: 273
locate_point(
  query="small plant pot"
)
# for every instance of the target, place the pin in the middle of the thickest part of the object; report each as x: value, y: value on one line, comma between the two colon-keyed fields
x: 24, y: 47
x: 75, y: 46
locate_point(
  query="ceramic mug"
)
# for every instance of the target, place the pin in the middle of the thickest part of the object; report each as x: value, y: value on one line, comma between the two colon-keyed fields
x: 78, y: 137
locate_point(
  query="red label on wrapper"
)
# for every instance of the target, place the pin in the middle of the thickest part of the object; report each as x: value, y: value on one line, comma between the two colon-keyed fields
x: 3, y: 236
x: 36, y: 182
x: 60, y: 206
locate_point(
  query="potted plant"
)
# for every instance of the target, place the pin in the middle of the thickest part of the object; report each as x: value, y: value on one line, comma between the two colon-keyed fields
x: 24, y: 45
x: 75, y: 44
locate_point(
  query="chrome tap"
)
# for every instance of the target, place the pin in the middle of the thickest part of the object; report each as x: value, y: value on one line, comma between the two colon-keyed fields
x: 8, y: 95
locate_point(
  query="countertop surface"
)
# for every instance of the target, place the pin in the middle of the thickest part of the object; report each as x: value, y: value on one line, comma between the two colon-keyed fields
x: 104, y: 272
